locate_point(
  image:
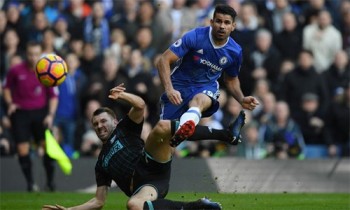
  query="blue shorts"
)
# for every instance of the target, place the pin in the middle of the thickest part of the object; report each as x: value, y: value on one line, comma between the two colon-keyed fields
x: 170, y: 111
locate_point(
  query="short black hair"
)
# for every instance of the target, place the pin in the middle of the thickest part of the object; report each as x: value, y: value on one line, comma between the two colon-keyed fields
x: 104, y: 109
x: 226, y: 10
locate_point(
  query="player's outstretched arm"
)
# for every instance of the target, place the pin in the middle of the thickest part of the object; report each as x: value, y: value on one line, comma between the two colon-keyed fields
x: 234, y: 87
x: 95, y: 203
x: 136, y: 112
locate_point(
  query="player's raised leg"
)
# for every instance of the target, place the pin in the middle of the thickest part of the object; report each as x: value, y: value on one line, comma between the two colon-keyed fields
x: 191, y: 118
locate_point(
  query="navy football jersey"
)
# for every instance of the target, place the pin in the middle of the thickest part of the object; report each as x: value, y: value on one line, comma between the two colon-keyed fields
x: 120, y: 155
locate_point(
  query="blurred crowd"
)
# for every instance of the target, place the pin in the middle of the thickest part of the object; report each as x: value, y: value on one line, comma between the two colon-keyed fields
x: 295, y: 61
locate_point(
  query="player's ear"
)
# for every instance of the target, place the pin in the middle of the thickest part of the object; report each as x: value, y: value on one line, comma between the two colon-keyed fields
x: 211, y: 22
x: 233, y: 26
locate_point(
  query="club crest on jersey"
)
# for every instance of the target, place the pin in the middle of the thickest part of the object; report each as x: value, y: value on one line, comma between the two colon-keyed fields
x: 178, y: 43
x: 223, y: 60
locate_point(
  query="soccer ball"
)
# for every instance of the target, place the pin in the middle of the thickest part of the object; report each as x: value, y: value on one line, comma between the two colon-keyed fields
x: 51, y: 70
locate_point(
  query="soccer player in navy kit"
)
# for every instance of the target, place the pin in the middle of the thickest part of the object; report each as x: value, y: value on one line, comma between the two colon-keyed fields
x: 141, y: 170
x: 201, y: 56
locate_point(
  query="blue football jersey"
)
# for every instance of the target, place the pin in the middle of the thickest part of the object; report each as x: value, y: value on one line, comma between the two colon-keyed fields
x: 201, y: 62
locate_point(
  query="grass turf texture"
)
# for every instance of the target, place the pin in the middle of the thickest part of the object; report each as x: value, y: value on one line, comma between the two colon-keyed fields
x: 117, y: 201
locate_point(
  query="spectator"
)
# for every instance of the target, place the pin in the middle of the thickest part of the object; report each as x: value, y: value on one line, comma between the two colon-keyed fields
x: 268, y: 106
x: 3, y: 23
x: 112, y: 75
x: 76, y: 12
x: 262, y: 87
x: 90, y: 60
x: 144, y: 38
x: 304, y: 79
x: 141, y: 82
x: 36, y: 32
x: 84, y: 141
x: 345, y: 25
x: 13, y: 14
x: 38, y: 6
x: 76, y: 46
x: 127, y: 19
x: 323, y: 40
x: 313, y: 123
x: 338, y: 75
x: 96, y: 29
x: 283, y: 135
x: 118, y: 40
x: 68, y: 111
x: 252, y: 147
x: 264, y: 62
x: 274, y: 17
x: 11, y: 44
x: 175, y: 19
x: 62, y: 35
x: 146, y: 18
x: 310, y: 11
x: 289, y: 40
x: 338, y: 124
x: 246, y: 26
x: 48, y: 42
x: 287, y: 66
x: 203, y: 10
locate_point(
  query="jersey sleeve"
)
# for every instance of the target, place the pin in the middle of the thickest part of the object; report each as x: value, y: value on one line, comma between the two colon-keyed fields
x: 102, y: 179
x: 184, y: 44
x: 234, y: 69
x: 52, y: 92
x: 130, y: 126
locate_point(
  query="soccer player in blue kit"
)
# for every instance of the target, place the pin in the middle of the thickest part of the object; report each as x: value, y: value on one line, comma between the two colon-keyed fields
x: 201, y: 56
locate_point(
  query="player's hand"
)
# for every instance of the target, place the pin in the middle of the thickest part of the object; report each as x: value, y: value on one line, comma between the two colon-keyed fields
x: 249, y: 102
x: 11, y: 109
x: 54, y: 207
x: 174, y: 97
x: 115, y: 92
x: 48, y: 121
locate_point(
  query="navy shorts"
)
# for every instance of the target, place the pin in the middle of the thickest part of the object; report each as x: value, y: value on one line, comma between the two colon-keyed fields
x: 28, y: 124
x: 170, y: 111
x: 149, y: 172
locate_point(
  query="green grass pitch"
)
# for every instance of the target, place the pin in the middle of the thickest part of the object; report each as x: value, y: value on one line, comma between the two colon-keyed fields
x: 237, y: 201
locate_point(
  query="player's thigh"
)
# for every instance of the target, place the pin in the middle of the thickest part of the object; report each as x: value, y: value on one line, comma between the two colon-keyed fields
x: 146, y: 193
x: 157, y: 144
x: 202, y: 101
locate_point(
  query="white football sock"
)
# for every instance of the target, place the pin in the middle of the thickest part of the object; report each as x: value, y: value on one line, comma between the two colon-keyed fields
x: 193, y: 113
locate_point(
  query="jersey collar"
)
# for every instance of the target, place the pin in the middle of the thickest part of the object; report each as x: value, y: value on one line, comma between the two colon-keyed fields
x: 212, y: 41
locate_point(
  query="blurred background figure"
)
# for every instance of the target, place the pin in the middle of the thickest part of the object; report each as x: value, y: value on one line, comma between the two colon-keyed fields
x: 313, y: 126
x: 338, y: 75
x: 338, y: 123
x: 323, y: 40
x: 84, y: 138
x: 283, y: 136
x: 68, y: 110
x: 304, y: 79
x: 252, y: 146
x: 96, y: 29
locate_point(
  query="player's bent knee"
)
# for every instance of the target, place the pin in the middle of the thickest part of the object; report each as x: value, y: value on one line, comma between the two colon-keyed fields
x: 135, y: 204
x: 163, y: 127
